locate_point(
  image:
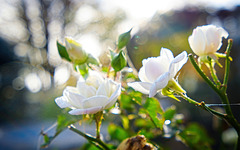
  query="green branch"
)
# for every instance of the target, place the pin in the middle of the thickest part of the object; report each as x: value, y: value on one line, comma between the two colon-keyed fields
x: 202, y: 74
x: 214, y: 74
x: 201, y: 105
x: 221, y: 91
x: 90, y: 138
x: 227, y: 65
x: 98, y: 119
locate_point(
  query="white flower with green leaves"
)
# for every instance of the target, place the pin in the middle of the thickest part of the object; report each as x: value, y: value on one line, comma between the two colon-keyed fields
x: 90, y: 96
x: 158, y: 73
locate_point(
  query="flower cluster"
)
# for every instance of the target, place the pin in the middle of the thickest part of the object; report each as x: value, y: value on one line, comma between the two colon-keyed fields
x: 157, y: 73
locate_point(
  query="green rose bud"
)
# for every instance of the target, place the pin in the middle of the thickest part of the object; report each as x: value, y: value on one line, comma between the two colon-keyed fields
x: 123, y: 39
x: 119, y: 61
x: 75, y: 51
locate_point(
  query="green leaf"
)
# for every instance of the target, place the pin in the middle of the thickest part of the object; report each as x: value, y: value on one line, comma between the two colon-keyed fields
x: 47, y: 140
x: 154, y: 110
x: 147, y: 134
x: 123, y: 39
x: 125, y: 122
x: 83, y: 69
x: 119, y: 61
x: 89, y: 146
x: 63, y: 51
x: 143, y: 123
x: 136, y: 97
x: 126, y: 102
x: 92, y: 60
x: 169, y: 113
x: 195, y: 137
x: 117, y: 133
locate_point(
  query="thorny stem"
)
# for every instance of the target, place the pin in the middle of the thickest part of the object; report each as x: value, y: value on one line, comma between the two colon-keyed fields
x: 221, y: 91
x: 227, y: 65
x: 201, y: 105
x: 90, y: 138
x: 202, y: 74
x: 214, y: 74
x: 228, y: 117
x: 231, y: 119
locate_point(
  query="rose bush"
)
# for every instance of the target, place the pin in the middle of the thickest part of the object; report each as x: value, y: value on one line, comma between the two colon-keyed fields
x: 158, y: 72
x: 90, y: 96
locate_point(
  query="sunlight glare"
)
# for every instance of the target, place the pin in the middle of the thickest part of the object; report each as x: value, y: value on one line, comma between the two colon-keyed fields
x: 90, y: 43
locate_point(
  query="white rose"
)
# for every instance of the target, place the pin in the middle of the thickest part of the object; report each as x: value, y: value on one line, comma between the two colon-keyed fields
x: 157, y: 72
x: 206, y: 40
x: 75, y: 51
x: 91, y: 96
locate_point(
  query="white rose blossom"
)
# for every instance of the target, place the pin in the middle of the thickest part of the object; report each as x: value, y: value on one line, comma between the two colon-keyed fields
x: 206, y: 40
x: 157, y: 72
x: 90, y: 96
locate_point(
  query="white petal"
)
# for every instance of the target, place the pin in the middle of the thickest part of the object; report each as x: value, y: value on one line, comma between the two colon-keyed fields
x: 85, y: 89
x: 164, y: 52
x: 74, y: 98
x: 142, y: 87
x: 159, y: 84
x: 62, y: 102
x: 142, y: 75
x: 113, y: 97
x: 177, y: 63
x: 197, y: 41
x: 95, y: 101
x: 154, y: 68
x: 213, y: 40
x: 102, y: 90
x: 94, y: 79
x: 223, y: 33
x: 114, y: 86
x: 91, y: 110
x: 144, y: 61
x: 110, y: 86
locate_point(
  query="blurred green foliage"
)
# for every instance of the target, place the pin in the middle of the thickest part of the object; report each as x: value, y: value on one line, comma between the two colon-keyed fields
x: 196, y: 137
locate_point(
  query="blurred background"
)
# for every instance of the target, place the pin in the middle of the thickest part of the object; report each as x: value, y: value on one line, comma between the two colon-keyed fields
x: 32, y: 74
